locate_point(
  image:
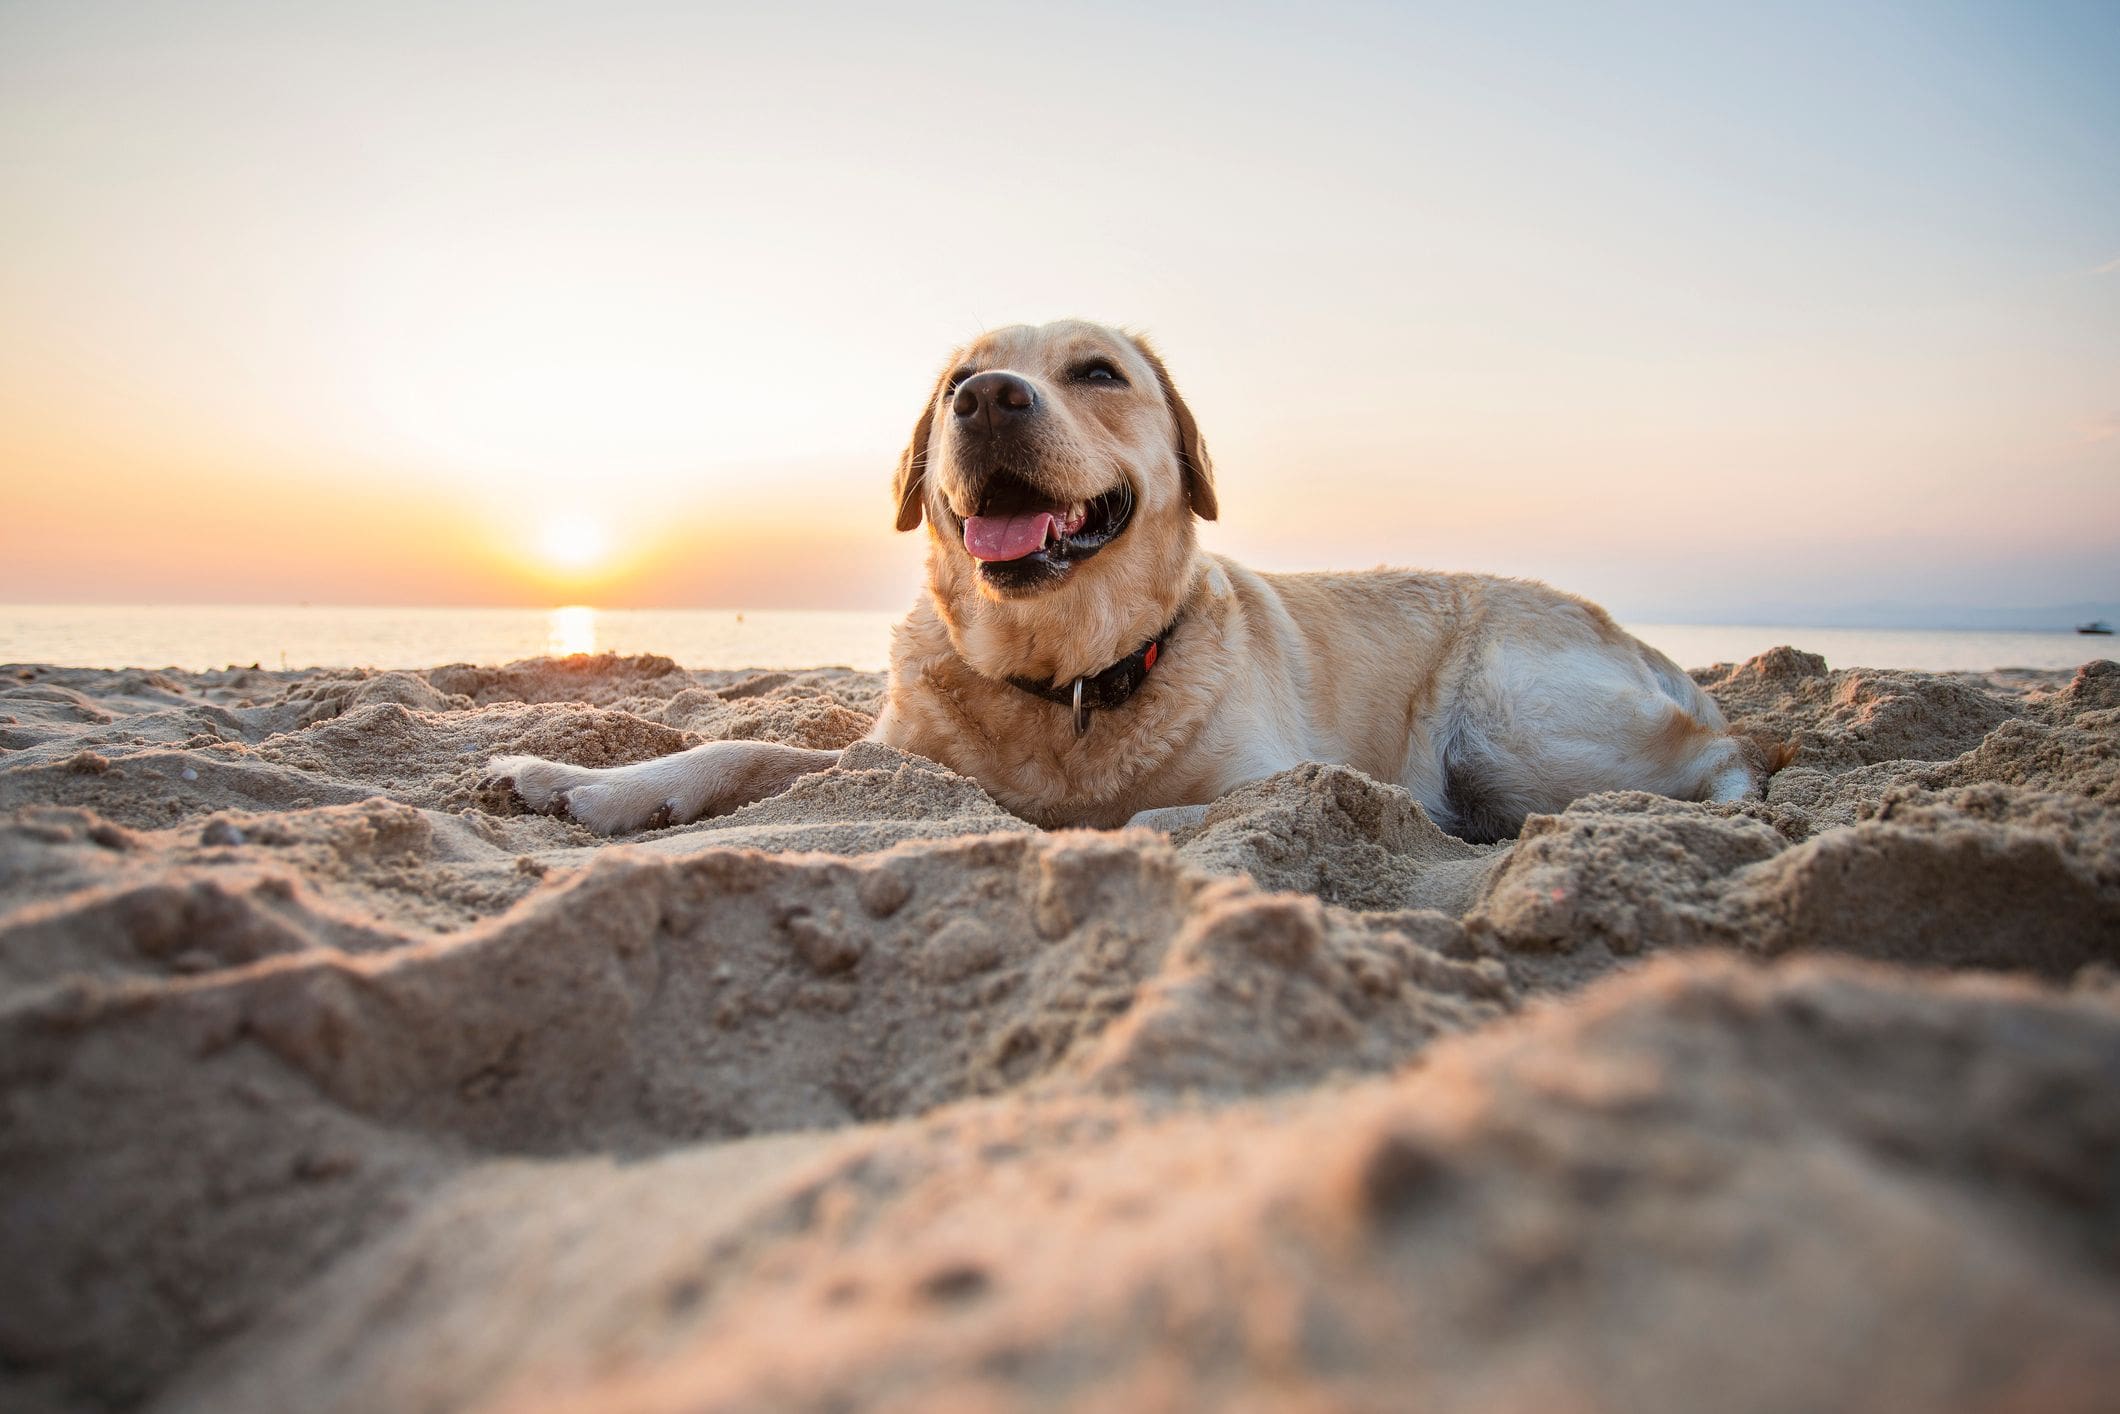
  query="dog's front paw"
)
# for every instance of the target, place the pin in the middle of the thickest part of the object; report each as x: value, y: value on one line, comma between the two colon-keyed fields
x: 652, y: 795
x: 537, y: 784
x: 614, y: 800
x: 618, y: 803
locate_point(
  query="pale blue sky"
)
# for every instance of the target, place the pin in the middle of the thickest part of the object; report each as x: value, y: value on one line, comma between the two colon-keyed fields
x: 1694, y: 309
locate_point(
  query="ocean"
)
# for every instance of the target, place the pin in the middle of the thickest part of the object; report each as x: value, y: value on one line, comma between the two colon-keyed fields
x: 196, y: 637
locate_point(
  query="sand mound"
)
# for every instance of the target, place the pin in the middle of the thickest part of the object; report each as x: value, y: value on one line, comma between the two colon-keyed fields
x: 1856, y: 717
x: 1335, y: 833
x: 330, y: 1082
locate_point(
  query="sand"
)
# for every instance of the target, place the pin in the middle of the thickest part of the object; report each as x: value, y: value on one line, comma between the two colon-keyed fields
x: 329, y: 1082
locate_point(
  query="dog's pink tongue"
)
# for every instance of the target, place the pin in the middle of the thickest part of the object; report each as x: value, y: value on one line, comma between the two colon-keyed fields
x: 1006, y: 537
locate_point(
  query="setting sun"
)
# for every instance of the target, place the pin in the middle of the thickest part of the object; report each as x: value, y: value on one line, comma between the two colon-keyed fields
x: 573, y: 544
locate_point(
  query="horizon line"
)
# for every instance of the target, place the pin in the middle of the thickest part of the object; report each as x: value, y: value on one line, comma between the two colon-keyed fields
x: 2063, y: 615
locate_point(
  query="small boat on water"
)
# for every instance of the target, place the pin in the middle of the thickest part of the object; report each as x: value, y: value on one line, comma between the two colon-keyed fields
x: 2095, y: 626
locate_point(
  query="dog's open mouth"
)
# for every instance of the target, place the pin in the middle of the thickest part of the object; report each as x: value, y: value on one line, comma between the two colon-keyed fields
x: 1021, y: 536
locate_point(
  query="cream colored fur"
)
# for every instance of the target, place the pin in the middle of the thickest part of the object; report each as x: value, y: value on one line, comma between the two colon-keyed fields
x: 1487, y: 699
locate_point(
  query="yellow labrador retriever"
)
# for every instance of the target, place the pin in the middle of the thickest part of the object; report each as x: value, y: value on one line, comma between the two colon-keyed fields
x: 1077, y: 654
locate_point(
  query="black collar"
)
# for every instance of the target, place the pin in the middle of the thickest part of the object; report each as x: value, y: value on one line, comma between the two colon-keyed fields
x: 1099, y: 692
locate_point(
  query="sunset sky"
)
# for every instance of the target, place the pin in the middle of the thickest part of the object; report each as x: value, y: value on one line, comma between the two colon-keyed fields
x: 1708, y: 312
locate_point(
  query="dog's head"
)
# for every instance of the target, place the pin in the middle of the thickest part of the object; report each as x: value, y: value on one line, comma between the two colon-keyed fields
x: 1056, y: 462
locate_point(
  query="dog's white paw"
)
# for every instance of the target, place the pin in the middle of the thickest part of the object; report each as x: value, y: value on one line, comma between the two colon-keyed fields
x: 648, y: 795
x: 614, y: 800
x: 539, y: 784
x: 618, y: 804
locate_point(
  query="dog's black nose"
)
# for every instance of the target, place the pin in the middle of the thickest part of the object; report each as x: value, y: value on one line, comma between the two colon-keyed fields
x: 985, y: 399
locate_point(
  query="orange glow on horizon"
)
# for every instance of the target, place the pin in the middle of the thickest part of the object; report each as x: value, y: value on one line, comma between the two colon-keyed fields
x: 656, y: 335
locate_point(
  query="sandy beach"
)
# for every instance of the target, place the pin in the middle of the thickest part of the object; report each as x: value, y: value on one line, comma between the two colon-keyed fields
x: 328, y: 1082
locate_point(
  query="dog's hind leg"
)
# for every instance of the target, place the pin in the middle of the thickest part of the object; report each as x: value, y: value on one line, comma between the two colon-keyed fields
x: 1733, y: 779
x: 1686, y: 758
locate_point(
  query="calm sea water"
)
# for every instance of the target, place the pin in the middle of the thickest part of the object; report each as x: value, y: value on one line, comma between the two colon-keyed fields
x: 197, y: 637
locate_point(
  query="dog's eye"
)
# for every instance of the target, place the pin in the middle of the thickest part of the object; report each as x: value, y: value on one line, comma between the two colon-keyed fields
x: 1097, y: 370
x: 950, y: 391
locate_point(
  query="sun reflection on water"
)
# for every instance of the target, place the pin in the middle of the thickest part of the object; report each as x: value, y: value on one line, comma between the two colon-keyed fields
x: 571, y: 630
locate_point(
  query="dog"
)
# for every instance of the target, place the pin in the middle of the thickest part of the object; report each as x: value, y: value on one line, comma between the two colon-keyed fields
x: 1079, y: 656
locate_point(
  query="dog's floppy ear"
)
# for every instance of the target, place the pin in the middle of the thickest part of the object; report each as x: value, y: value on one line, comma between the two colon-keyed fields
x: 911, y: 483
x: 1192, y: 448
